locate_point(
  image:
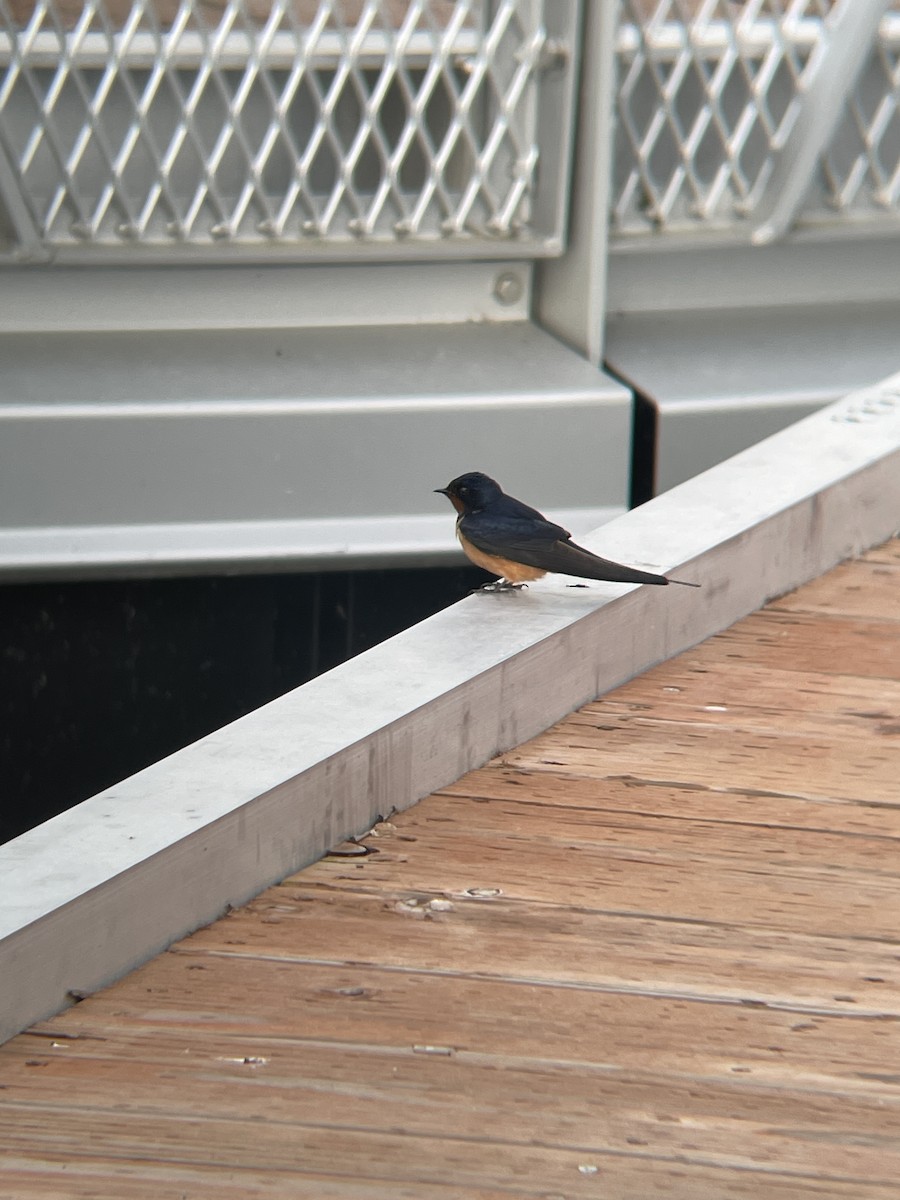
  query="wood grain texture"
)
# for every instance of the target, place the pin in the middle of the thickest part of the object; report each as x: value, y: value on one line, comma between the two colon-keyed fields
x: 651, y: 952
x: 859, y: 589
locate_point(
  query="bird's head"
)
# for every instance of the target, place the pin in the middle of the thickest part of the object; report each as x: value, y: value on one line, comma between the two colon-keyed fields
x: 471, y: 492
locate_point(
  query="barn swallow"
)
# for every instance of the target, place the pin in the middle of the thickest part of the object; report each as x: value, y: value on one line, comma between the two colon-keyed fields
x: 519, y: 544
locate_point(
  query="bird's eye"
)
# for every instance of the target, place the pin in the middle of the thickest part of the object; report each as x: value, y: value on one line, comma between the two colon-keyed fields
x: 463, y: 491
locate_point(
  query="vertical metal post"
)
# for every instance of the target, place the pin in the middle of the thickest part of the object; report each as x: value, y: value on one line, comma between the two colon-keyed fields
x: 29, y: 247
x: 570, y: 292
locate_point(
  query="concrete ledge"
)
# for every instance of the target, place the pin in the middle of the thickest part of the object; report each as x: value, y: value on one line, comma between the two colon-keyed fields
x: 101, y: 888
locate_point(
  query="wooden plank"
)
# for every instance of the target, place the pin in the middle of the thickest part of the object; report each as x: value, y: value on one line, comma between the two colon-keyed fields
x: 807, y: 642
x: 92, y: 1177
x: 887, y: 552
x: 866, y: 770
x: 750, y: 807
x: 590, y: 1175
x: 639, y: 879
x: 752, y: 697
x: 542, y: 942
x: 661, y: 837
x: 319, y: 1100
x: 236, y: 1000
x: 858, y: 589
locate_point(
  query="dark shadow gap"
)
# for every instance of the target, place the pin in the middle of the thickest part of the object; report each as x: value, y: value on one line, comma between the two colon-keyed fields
x: 643, y: 442
x: 101, y: 679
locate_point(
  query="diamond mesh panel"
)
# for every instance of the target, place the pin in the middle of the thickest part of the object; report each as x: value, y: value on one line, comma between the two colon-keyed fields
x: 707, y: 89
x: 861, y: 167
x: 275, y: 121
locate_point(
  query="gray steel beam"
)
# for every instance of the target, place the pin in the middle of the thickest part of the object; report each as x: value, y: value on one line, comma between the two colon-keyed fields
x: 721, y: 381
x: 210, y: 449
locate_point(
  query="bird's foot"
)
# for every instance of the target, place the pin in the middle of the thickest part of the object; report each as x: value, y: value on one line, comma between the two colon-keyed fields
x: 501, y: 585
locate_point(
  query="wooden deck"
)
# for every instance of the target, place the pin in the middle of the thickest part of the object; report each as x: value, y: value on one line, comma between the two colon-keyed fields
x: 653, y: 952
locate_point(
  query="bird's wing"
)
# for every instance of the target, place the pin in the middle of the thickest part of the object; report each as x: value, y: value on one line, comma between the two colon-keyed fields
x: 537, y: 542
x: 523, y: 539
x: 566, y: 558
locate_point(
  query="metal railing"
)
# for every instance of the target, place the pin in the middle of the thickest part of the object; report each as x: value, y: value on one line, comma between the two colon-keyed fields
x: 762, y: 112
x: 429, y: 128
x: 315, y: 128
x: 352, y: 145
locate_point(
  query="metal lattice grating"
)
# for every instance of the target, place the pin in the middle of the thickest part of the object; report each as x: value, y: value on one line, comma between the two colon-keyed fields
x: 861, y: 167
x: 708, y: 89
x: 282, y: 122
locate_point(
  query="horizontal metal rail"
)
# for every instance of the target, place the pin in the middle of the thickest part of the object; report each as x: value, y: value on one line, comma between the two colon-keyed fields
x: 188, y: 48
x: 667, y: 39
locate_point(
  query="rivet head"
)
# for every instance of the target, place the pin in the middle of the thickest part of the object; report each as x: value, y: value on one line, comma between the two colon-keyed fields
x: 508, y: 287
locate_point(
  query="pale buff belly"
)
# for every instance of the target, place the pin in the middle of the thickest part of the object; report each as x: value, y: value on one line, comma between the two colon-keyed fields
x: 505, y: 567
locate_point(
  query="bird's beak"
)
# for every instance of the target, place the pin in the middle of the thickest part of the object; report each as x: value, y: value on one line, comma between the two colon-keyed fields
x: 442, y: 491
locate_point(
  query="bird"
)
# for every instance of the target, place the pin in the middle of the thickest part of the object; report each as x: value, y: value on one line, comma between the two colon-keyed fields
x: 516, y: 542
